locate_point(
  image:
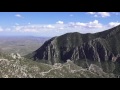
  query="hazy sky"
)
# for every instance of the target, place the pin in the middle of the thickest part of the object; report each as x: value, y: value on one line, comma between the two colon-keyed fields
x: 56, y: 23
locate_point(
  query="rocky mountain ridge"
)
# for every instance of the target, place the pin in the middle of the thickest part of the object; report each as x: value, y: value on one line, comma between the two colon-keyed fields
x: 99, y: 47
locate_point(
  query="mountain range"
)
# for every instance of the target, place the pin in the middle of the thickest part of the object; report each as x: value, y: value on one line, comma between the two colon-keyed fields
x: 102, y: 49
x: 72, y: 55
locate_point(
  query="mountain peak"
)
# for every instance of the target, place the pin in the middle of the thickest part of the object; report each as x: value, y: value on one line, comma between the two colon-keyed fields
x: 98, y: 47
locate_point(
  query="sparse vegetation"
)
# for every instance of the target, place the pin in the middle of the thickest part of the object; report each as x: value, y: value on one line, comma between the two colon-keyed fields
x: 24, y: 68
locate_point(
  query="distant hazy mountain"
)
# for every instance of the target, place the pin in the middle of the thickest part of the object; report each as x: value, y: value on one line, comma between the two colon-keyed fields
x: 101, y: 48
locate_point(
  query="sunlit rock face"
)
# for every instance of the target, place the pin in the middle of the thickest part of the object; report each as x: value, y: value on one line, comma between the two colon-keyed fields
x: 15, y: 55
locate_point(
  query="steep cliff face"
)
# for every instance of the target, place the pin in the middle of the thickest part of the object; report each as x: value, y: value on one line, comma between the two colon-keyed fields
x: 94, y: 50
x: 99, y: 47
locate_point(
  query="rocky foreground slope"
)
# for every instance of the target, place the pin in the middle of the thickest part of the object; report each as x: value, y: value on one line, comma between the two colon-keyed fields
x: 22, y: 68
x: 102, y: 49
